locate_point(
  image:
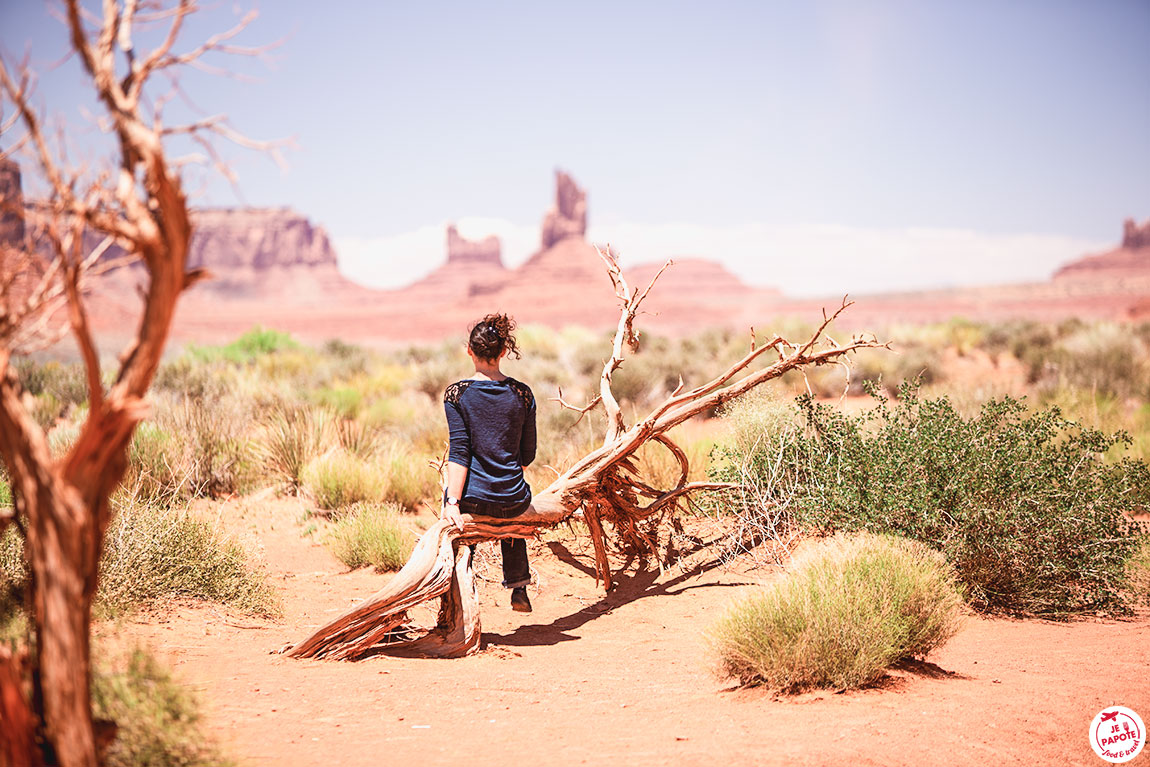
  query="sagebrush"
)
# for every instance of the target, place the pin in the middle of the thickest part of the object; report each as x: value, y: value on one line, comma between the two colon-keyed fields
x: 844, y: 614
x: 370, y: 534
x: 1025, y: 504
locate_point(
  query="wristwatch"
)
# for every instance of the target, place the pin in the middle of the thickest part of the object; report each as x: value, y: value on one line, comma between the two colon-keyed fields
x: 451, y: 501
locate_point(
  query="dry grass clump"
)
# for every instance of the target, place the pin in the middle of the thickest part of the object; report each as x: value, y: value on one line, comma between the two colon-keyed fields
x: 370, y: 534
x: 292, y: 437
x: 153, y: 553
x: 158, y: 719
x: 410, y: 480
x: 338, y: 479
x: 848, y: 611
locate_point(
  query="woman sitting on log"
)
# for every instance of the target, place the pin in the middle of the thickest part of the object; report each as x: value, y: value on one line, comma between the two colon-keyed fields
x: 491, y: 421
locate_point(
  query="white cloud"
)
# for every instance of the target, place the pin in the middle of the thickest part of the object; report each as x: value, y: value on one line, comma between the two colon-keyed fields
x: 801, y: 260
x: 811, y: 260
x: 393, y: 261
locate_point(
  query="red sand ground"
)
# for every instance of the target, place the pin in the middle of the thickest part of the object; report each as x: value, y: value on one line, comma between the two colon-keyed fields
x: 626, y: 677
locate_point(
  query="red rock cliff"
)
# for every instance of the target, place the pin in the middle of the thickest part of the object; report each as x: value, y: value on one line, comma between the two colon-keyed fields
x: 1130, y: 259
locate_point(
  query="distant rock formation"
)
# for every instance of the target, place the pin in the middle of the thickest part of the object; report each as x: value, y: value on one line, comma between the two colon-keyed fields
x: 690, y: 279
x: 1135, y: 235
x: 256, y: 239
x: 473, y: 267
x: 569, y: 216
x: 461, y: 250
x: 11, y: 203
x: 1132, y: 258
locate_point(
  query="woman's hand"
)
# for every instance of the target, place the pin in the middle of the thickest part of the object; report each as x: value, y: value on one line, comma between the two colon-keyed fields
x: 451, y: 513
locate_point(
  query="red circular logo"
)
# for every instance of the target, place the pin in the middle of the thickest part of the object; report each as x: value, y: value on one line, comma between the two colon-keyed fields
x: 1117, y: 734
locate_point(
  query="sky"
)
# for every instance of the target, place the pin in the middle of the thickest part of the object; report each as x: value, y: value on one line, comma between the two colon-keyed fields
x: 817, y: 147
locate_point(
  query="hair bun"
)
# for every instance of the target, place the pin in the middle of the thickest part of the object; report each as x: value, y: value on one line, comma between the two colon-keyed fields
x: 493, y: 335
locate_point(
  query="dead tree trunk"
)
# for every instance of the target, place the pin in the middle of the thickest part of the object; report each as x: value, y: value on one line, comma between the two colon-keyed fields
x: 604, y: 485
x: 139, y: 206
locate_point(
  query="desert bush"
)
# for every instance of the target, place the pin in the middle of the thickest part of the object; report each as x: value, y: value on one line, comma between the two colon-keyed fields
x: 191, y: 450
x: 357, y: 438
x: 370, y: 534
x: 292, y: 436
x: 223, y: 455
x: 353, y: 359
x: 249, y: 347
x: 158, y: 719
x: 67, y: 383
x: 842, y: 616
x: 1105, y: 358
x: 345, y: 401
x: 412, y: 420
x: 409, y: 478
x: 908, y: 362
x: 338, y: 479
x: 157, y: 473
x: 434, y: 376
x: 384, y: 380
x: 189, y: 375
x: 1138, y: 570
x: 1108, y: 413
x: 153, y: 553
x: 1022, y: 503
x: 759, y: 455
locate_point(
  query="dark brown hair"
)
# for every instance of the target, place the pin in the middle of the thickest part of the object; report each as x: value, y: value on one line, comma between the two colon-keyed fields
x: 492, y: 335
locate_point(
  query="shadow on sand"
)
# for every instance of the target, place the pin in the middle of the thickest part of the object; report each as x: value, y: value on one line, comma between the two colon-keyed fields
x: 629, y: 587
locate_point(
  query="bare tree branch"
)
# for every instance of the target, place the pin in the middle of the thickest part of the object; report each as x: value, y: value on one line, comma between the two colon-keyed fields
x: 603, y: 488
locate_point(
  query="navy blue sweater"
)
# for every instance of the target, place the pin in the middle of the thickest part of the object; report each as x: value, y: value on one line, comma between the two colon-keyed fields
x: 492, y: 428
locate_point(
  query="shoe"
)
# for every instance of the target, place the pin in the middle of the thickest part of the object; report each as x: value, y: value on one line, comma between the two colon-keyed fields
x: 519, y: 601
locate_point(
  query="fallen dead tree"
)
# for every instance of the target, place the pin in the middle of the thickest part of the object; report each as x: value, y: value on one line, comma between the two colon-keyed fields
x: 604, y: 487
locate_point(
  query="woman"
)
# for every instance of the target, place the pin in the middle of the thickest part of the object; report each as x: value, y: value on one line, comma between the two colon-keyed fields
x: 491, y: 420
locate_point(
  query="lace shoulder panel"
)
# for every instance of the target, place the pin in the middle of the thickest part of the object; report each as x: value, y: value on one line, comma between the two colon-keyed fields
x: 523, y: 391
x: 455, y: 391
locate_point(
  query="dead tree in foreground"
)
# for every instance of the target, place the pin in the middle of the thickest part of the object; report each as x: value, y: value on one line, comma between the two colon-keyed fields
x: 604, y: 485
x: 62, y: 508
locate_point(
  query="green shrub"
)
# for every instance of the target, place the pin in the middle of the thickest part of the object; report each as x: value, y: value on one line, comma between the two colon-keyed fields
x: 1138, y: 570
x: 344, y: 401
x: 252, y: 345
x: 842, y: 616
x: 370, y: 534
x: 1022, y: 503
x: 158, y: 720
x: 337, y: 480
x: 152, y: 553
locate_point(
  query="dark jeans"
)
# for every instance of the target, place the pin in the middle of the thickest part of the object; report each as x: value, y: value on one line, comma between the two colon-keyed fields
x: 516, y: 571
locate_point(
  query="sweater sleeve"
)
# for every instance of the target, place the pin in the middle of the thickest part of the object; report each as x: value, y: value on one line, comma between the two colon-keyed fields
x: 460, y: 450
x: 527, y: 440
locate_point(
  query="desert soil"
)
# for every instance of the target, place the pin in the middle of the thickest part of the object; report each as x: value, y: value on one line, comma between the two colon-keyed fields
x: 626, y: 677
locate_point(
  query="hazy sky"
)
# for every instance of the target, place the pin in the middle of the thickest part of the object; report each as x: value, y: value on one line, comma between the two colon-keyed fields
x: 821, y: 147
